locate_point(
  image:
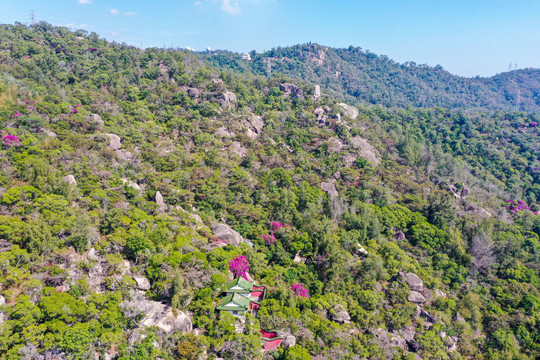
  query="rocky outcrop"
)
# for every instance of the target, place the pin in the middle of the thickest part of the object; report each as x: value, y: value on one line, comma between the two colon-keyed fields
x: 196, y: 219
x: 225, y: 233
x: 159, y: 315
x: 340, y: 314
x: 360, y: 250
x: 132, y: 184
x: 228, y: 100
x: 330, y: 188
x: 49, y: 133
x: 398, y: 236
x: 142, y: 282
x: 70, y: 179
x: 416, y: 297
x: 365, y: 149
x: 237, y: 148
x: 288, y: 341
x: 349, y: 111
x: 96, y: 121
x: 160, y: 202
x: 125, y: 156
x: 458, y: 318
x: 317, y: 92
x: 289, y: 88
x: 115, y: 143
x: 414, y: 281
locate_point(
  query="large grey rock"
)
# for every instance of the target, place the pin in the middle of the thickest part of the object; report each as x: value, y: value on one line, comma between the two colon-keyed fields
x: 49, y: 133
x: 96, y: 120
x: 459, y: 318
x: 257, y: 122
x: 330, y: 188
x: 2, y: 300
x: 132, y: 184
x: 115, y: 143
x: 159, y: 315
x: 237, y: 148
x: 319, y: 113
x: 198, y: 223
x: 92, y: 255
x: 348, y: 110
x: 399, y: 236
x: 142, y: 282
x: 288, y: 341
x: 365, y: 149
x: 160, y: 202
x: 70, y: 179
x: 228, y: 100
x: 439, y: 293
x: 125, y: 156
x: 289, y: 88
x: 193, y: 93
x: 416, y: 297
x: 414, y: 281
x: 225, y: 233
x: 341, y: 315
x: 408, y: 333
x: 317, y: 92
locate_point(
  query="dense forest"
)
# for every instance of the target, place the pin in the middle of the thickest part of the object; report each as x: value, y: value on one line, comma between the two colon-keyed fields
x: 364, y: 77
x: 135, y: 184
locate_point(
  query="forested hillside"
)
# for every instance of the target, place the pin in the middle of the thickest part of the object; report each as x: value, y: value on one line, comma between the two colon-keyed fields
x: 364, y: 77
x: 134, y: 184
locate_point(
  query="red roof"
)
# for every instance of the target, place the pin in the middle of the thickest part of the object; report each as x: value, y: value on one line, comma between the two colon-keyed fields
x: 272, y: 344
x: 268, y: 334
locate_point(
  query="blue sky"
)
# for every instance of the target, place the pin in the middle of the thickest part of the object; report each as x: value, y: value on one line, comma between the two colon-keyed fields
x: 466, y: 37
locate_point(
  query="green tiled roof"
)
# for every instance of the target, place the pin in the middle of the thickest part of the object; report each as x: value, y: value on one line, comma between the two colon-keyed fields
x: 241, y: 282
x: 241, y: 303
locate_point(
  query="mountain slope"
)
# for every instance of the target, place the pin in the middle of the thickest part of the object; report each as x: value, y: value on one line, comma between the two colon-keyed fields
x: 378, y: 232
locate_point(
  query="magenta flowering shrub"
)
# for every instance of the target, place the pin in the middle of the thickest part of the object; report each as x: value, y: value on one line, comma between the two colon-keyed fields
x: 239, y: 266
x: 11, y: 140
x: 300, y: 290
x: 270, y: 239
x: 518, y: 205
x: 16, y: 115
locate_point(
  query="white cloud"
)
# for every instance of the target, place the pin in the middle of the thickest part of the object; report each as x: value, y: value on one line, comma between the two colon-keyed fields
x: 115, y: 11
x: 131, y: 13
x: 84, y: 2
x: 197, y: 3
x: 231, y: 8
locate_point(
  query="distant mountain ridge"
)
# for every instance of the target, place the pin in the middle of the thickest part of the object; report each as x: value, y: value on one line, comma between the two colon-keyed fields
x: 362, y: 76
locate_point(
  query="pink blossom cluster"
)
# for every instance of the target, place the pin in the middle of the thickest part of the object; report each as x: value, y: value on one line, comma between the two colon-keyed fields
x: 276, y: 225
x: 17, y: 114
x: 239, y: 266
x: 518, y: 205
x: 27, y: 57
x: 270, y: 239
x: 533, y: 124
x: 11, y: 140
x: 300, y: 290
x: 74, y: 110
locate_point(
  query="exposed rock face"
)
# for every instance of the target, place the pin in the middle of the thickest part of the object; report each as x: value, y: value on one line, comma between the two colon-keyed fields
x: 224, y: 132
x: 114, y: 143
x: 465, y: 191
x: 439, y: 293
x: 257, y: 122
x: 398, y: 236
x: 350, y: 111
x: 160, y: 202
x: 161, y: 316
x: 416, y: 297
x: 124, y: 155
x: 228, y: 100
x: 319, y: 112
x: 414, y: 281
x: 237, y: 148
x: 361, y: 250
x: 365, y: 149
x: 341, y: 315
x: 196, y: 218
x: 132, y: 184
x: 459, y: 318
x: 298, y: 258
x: 330, y: 188
x: 92, y: 255
x: 193, y: 93
x: 317, y: 92
x: 49, y: 133
x: 2, y: 300
x: 225, y: 233
x: 70, y: 179
x: 288, y: 341
x: 142, y: 282
x: 289, y: 88
x: 96, y: 121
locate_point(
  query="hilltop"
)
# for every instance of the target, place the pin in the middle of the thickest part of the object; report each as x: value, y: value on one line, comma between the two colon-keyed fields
x: 363, y: 77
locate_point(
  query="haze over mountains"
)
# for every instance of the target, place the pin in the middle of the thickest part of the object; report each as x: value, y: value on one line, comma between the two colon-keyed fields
x: 357, y: 75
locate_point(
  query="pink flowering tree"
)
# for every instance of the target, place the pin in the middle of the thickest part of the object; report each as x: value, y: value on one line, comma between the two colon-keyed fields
x: 239, y: 266
x: 300, y: 290
x: 11, y: 140
x: 270, y: 239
